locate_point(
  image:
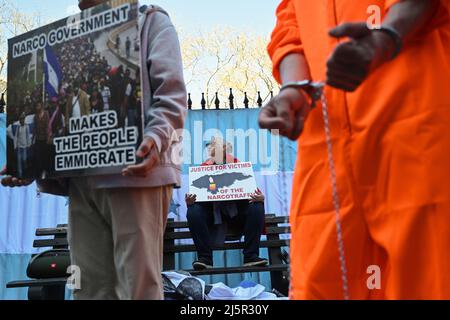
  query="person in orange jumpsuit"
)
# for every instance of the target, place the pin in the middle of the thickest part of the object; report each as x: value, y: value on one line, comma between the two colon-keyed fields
x: 388, y: 93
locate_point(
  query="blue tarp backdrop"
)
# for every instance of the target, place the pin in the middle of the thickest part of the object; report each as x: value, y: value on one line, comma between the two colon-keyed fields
x: 23, y: 210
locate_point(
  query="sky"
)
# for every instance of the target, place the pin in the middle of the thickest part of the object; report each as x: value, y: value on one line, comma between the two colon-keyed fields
x: 190, y: 15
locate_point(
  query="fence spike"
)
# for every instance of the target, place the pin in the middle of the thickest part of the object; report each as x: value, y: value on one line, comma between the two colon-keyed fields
x: 246, y: 101
x: 217, y: 101
x: 260, y: 100
x: 189, y: 102
x: 2, y: 103
x: 203, y: 102
x: 231, y: 99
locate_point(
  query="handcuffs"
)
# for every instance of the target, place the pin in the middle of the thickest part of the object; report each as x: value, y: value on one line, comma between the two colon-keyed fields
x: 313, y: 89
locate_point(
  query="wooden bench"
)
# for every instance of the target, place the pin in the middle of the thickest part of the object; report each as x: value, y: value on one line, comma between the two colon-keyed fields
x: 278, y: 258
x: 54, y: 289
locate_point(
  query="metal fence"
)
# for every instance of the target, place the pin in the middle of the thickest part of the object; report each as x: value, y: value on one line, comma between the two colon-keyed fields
x: 218, y: 105
x: 231, y: 105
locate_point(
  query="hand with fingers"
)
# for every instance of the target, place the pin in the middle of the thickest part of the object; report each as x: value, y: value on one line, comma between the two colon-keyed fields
x: 353, y: 60
x: 147, y: 151
x: 190, y: 199
x: 258, y: 196
x: 10, y: 181
x: 286, y: 112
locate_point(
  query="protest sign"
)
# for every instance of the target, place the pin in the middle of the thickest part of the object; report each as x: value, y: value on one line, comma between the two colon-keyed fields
x: 227, y: 182
x: 74, y: 105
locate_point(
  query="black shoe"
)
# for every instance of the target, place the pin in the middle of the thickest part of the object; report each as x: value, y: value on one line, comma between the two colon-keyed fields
x: 202, y: 264
x: 255, y: 262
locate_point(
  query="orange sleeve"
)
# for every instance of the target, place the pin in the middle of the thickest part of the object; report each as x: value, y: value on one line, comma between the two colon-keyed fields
x: 285, y: 37
x: 440, y: 18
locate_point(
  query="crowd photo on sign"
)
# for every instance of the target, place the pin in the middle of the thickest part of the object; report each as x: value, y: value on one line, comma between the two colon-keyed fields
x: 94, y: 77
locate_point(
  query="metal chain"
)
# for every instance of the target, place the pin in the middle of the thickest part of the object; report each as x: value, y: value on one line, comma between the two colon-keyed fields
x: 336, y: 201
x: 284, y: 177
x: 316, y: 92
x: 284, y: 205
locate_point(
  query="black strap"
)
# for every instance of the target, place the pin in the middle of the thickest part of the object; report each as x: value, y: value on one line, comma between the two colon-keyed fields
x: 74, y: 103
x: 395, y: 36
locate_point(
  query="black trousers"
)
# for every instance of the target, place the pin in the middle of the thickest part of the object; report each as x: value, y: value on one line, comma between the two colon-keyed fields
x: 251, y: 216
x: 41, y: 157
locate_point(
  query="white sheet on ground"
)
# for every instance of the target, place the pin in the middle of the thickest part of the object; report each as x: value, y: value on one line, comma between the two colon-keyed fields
x: 222, y: 292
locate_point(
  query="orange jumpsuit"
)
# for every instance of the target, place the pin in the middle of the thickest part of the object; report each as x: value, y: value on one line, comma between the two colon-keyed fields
x: 391, y: 141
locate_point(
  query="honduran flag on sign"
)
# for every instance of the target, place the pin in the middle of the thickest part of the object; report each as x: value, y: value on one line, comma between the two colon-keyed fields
x: 52, y: 71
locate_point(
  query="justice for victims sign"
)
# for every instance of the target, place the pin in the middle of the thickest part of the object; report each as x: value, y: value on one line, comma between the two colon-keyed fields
x: 226, y: 182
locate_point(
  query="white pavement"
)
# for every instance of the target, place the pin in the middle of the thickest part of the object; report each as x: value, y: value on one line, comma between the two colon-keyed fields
x: 132, y: 34
x: 101, y: 44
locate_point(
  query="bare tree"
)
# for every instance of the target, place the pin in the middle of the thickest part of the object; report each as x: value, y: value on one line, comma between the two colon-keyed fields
x: 225, y: 58
x: 12, y: 23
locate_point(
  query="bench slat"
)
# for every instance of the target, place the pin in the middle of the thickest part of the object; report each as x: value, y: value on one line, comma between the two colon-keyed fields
x: 184, y: 224
x: 51, y: 232
x: 37, y: 283
x: 62, y: 242
x: 232, y: 270
x: 227, y: 246
x: 187, y: 234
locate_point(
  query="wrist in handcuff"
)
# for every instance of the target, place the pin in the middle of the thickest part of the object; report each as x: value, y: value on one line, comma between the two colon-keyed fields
x: 312, y: 91
x: 296, y: 85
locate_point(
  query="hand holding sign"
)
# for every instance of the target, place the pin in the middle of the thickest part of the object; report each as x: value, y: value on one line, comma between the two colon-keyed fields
x: 147, y: 151
x: 258, y: 196
x: 190, y: 199
x: 9, y: 181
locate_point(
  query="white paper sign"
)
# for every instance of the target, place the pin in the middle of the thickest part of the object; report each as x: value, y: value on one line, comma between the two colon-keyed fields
x: 227, y: 182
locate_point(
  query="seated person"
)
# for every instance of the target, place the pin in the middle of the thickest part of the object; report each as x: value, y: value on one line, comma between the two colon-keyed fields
x: 208, y: 221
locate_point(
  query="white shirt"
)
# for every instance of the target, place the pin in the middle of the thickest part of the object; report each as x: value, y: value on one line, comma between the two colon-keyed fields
x: 76, y: 111
x: 22, y: 136
x: 106, y: 94
x: 128, y: 90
